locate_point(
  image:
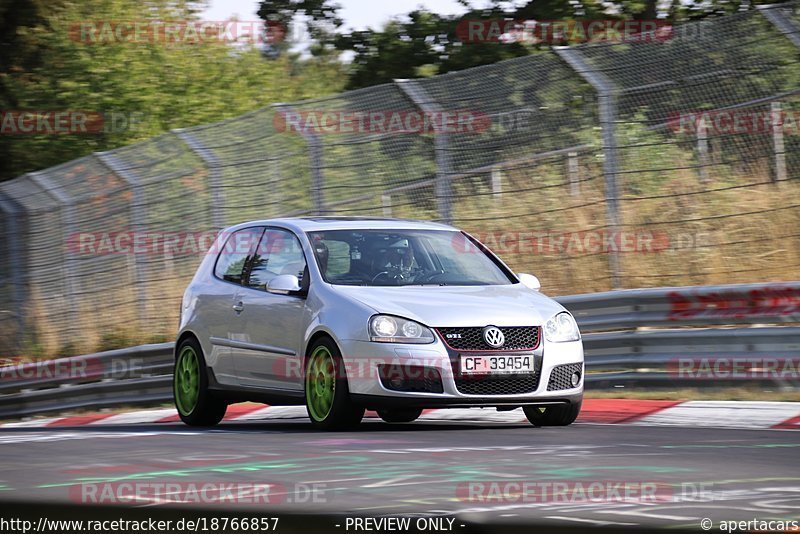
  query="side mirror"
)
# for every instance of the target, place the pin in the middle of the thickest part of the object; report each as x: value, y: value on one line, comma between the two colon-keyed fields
x: 285, y: 284
x: 530, y: 281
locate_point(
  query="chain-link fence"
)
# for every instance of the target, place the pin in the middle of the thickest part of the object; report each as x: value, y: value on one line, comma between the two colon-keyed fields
x: 636, y: 163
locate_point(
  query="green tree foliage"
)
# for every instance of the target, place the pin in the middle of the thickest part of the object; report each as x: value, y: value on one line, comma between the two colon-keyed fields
x: 164, y: 84
x: 321, y: 16
x: 423, y: 43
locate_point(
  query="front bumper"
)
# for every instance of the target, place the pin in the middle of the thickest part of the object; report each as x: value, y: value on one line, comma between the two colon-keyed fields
x: 364, y: 359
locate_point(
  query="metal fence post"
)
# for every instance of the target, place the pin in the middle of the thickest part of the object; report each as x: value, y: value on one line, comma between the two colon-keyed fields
x: 137, y: 225
x: 573, y: 173
x: 214, y: 175
x: 607, y: 97
x: 14, y: 213
x: 774, y: 14
x: 497, y: 182
x: 443, y: 188
x: 315, y: 155
x: 68, y: 227
x: 778, y: 146
x: 702, y: 149
x: 386, y: 205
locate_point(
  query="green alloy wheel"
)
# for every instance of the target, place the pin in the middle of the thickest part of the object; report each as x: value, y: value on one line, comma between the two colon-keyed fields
x: 187, y: 381
x: 196, y: 405
x: 320, y: 384
x: 327, y: 394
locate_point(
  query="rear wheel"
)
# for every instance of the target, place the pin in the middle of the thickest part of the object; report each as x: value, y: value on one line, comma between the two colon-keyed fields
x: 556, y: 415
x: 400, y: 415
x: 195, y: 403
x: 327, y: 395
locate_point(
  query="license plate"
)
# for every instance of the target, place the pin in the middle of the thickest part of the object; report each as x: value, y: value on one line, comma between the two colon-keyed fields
x: 499, y: 364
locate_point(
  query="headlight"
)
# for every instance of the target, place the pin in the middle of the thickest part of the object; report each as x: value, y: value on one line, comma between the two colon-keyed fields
x: 389, y: 329
x: 561, y: 327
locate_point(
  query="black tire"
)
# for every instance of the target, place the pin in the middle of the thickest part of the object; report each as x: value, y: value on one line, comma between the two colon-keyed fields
x: 556, y: 415
x: 207, y: 410
x: 342, y: 414
x: 400, y: 415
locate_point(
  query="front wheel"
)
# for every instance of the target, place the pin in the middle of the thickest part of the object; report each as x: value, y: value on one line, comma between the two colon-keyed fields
x: 195, y: 403
x: 400, y: 415
x: 327, y: 395
x: 556, y: 415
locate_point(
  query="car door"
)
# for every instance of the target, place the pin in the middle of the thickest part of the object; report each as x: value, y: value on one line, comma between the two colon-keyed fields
x: 274, y: 323
x: 223, y: 298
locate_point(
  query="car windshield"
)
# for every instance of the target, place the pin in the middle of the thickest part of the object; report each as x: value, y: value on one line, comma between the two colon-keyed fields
x: 404, y: 258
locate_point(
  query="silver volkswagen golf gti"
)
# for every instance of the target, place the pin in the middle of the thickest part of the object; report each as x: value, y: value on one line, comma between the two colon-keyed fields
x: 352, y: 314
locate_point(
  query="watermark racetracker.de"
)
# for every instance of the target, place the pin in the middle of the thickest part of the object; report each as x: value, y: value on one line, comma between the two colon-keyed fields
x: 581, y: 491
x: 744, y: 367
x: 68, y: 122
x: 502, y: 242
x: 387, y: 121
x: 192, y: 32
x: 534, y: 32
x: 72, y: 369
x: 734, y: 122
x: 197, y: 492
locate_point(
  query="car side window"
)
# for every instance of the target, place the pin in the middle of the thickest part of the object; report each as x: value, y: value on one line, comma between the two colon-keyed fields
x: 279, y: 252
x: 339, y: 257
x: 233, y: 257
x: 333, y: 257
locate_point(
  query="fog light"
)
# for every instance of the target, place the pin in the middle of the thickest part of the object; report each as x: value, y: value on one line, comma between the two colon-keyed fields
x: 576, y: 379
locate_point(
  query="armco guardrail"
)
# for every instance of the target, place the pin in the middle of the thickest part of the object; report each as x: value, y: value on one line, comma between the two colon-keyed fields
x: 770, y: 303
x: 678, y: 337
x: 132, y: 376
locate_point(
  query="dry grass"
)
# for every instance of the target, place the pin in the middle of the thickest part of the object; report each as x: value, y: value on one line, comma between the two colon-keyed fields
x: 737, y: 228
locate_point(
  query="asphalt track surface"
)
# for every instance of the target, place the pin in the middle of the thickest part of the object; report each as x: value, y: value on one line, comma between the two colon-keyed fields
x: 423, y: 468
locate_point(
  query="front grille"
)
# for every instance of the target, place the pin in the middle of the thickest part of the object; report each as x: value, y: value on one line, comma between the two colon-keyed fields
x: 471, y: 338
x: 499, y: 384
x: 412, y: 378
x: 560, y: 376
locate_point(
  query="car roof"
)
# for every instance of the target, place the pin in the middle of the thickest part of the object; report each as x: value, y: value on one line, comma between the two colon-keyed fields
x: 313, y: 224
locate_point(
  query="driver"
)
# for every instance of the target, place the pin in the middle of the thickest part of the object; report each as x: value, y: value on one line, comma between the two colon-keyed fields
x: 398, y: 258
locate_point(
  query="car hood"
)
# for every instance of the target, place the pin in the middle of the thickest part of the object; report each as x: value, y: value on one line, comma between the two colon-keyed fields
x: 448, y: 306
